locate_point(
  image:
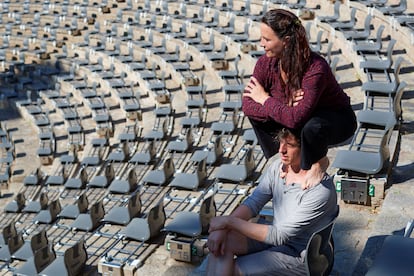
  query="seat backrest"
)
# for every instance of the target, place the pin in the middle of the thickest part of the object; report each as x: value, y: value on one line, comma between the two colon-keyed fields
x: 82, y: 202
x: 168, y: 168
x: 39, y: 241
x: 109, y: 172
x: 367, y: 24
x: 353, y: 15
x: 249, y: 161
x: 75, y: 258
x: 218, y: 146
x: 397, y: 100
x: 20, y: 200
x: 7, y: 232
x: 156, y: 218
x: 55, y: 208
x: 397, y: 68
x: 83, y: 175
x: 337, y: 8
x: 201, y: 170
x: 207, y: 212
x: 132, y: 178
x: 43, y: 257
x: 15, y: 242
x: 380, y: 31
x: 97, y: 213
x: 43, y: 200
x: 134, y: 205
x: 320, y: 251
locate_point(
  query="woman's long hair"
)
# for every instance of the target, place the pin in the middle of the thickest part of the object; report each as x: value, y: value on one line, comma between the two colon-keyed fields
x: 295, y: 58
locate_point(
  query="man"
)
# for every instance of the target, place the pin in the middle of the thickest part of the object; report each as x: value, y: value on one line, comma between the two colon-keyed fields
x: 278, y: 248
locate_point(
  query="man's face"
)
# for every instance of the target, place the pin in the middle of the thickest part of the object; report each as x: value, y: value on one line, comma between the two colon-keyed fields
x: 270, y: 42
x: 289, y: 150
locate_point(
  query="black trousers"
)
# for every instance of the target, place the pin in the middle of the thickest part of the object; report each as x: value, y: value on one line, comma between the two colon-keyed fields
x: 325, y: 128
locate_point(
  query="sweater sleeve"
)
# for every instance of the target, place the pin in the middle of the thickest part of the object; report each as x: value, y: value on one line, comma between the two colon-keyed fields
x: 263, y: 72
x: 313, y: 86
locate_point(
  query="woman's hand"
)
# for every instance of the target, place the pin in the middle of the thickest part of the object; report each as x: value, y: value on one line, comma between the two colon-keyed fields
x: 255, y: 91
x: 296, y: 97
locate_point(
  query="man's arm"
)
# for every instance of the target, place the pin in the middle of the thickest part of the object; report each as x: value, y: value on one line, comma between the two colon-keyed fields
x: 216, y: 239
x: 246, y: 228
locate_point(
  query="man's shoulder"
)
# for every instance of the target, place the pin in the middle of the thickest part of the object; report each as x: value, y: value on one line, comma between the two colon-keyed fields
x: 325, y: 189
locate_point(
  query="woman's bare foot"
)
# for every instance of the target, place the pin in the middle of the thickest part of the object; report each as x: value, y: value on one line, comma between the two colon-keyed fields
x: 316, y: 173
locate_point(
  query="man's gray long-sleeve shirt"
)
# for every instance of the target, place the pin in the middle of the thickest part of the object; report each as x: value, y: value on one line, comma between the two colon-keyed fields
x: 297, y: 213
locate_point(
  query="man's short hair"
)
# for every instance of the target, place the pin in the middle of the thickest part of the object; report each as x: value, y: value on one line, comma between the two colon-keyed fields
x: 286, y: 132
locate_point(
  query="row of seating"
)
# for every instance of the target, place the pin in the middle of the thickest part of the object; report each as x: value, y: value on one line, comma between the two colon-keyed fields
x: 370, y: 152
x: 7, y: 153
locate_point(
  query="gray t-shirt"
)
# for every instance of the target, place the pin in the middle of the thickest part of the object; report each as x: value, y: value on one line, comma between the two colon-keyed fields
x: 297, y: 213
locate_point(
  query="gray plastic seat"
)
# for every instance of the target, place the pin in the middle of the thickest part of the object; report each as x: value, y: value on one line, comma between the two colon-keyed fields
x: 56, y: 179
x: 124, y: 186
x: 17, y: 205
x: 145, y: 156
x: 145, y: 228
x: 89, y: 221
x: 123, y: 214
x: 380, y: 63
x: 370, y: 46
x: 157, y: 133
x: 192, y: 224
x: 102, y: 181
x: 120, y: 154
x: 237, y: 172
x: 49, y: 215
x: 13, y: 244
x: 335, y: 16
x: 38, y: 262
x: 72, y: 262
x: 394, y: 258
x: 190, y: 181
x: 161, y: 176
x: 375, y: 89
x: 182, y: 143
x: 360, y: 34
x: 34, y: 206
x: 37, y: 241
x: 33, y: 178
x: 345, y: 24
x: 78, y: 182
x: 72, y: 211
x: 394, y: 9
x: 7, y: 232
x: 210, y: 154
x: 320, y: 251
x: 382, y: 117
x: 366, y: 162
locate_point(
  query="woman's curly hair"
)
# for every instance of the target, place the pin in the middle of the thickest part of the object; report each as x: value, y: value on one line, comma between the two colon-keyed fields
x: 296, y: 56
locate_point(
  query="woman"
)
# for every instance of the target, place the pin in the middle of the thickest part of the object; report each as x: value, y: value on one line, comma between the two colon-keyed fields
x: 294, y: 87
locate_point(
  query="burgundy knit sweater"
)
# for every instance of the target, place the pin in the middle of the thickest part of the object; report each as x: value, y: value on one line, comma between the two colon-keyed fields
x: 321, y: 92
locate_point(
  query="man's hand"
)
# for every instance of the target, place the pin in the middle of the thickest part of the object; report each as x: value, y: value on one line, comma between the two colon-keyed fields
x: 216, y: 242
x: 255, y: 91
x: 218, y: 223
